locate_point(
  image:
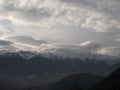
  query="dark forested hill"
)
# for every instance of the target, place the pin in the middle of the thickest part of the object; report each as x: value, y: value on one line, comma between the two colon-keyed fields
x: 77, y: 81
x: 112, y: 82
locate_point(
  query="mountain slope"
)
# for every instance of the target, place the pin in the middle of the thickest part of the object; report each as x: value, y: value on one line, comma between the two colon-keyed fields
x: 76, y: 81
x: 7, y: 84
x: 16, y: 64
x: 112, y: 82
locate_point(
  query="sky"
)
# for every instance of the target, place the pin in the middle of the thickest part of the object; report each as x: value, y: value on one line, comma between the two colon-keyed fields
x: 60, y: 26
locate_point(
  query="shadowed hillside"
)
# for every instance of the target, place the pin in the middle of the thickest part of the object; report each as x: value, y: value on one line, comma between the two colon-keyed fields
x: 112, y: 82
x: 73, y: 82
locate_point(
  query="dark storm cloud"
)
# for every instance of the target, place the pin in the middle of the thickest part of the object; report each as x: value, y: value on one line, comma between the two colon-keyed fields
x: 6, y: 46
x: 2, y: 42
x: 26, y: 40
x: 80, y: 2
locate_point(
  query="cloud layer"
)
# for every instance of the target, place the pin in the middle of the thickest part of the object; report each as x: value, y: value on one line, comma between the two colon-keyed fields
x: 97, y: 15
x: 45, y: 25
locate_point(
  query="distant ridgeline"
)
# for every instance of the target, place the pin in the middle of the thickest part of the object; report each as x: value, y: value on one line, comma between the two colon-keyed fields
x: 37, y: 72
x: 15, y: 64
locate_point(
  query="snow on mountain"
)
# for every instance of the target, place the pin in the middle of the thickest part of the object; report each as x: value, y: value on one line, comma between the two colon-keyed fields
x: 62, y: 54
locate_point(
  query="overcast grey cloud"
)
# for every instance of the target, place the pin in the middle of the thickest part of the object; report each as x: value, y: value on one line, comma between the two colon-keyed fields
x: 45, y: 25
x: 6, y: 46
x: 26, y: 40
x: 5, y: 42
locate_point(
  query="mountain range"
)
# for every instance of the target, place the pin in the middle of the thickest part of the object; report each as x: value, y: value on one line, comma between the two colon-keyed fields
x: 35, y: 70
x: 27, y: 63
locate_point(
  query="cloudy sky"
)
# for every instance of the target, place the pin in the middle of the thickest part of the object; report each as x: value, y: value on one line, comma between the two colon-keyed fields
x: 87, y: 26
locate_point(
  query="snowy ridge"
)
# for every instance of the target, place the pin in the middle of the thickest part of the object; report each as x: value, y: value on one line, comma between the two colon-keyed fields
x: 24, y: 54
x: 28, y: 55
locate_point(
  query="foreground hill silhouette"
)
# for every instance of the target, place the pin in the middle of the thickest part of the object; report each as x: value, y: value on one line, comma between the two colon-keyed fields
x: 112, y: 82
x: 7, y: 84
x: 71, y: 82
x: 77, y: 82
